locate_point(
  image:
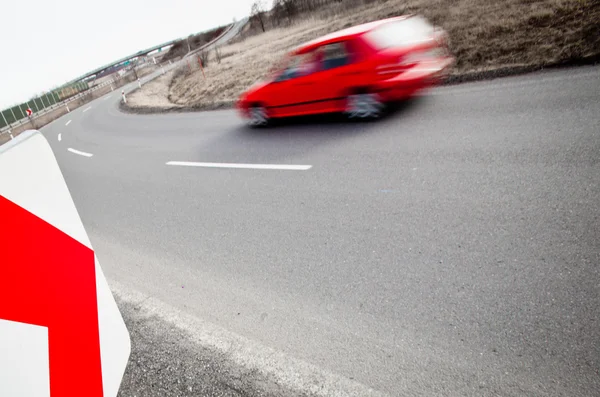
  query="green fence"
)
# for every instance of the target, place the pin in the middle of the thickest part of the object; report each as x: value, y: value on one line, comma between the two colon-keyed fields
x: 12, y: 115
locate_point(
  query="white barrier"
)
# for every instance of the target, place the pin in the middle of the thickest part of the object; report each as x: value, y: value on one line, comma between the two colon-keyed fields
x: 61, y: 333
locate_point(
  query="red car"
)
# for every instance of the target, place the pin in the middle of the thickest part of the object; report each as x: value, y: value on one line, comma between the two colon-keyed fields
x: 356, y: 71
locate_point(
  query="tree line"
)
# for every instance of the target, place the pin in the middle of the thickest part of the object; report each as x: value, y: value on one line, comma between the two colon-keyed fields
x: 284, y: 11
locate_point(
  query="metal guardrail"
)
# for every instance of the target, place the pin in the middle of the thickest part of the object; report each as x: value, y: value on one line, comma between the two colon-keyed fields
x: 52, y: 108
x: 237, y: 25
x: 163, y: 70
x: 226, y: 31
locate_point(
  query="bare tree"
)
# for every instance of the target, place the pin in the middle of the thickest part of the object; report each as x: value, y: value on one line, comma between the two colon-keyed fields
x: 133, y: 65
x: 203, y: 56
x: 285, y: 10
x: 218, y: 54
x: 188, y: 43
x: 277, y: 13
x: 257, y: 12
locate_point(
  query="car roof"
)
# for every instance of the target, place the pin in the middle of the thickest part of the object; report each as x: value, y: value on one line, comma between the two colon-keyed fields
x: 344, y: 34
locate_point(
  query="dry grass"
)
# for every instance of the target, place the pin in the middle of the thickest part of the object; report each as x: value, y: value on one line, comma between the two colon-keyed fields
x: 153, y: 94
x: 484, y: 35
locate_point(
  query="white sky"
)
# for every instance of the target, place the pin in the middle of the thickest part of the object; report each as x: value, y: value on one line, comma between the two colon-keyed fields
x: 45, y: 43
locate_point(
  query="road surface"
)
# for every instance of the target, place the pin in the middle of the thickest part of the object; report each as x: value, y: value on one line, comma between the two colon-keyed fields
x: 451, y: 249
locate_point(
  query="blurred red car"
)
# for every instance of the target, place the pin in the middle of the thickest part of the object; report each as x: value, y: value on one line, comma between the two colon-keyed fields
x: 356, y: 71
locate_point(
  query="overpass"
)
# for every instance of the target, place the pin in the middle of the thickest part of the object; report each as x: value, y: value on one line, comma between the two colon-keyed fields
x: 127, y: 58
x: 231, y: 30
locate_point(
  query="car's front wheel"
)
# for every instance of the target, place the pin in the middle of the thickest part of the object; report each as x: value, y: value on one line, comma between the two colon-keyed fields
x: 258, y: 116
x: 364, y: 106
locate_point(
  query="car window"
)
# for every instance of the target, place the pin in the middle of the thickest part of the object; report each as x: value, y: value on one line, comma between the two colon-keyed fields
x: 300, y: 65
x: 401, y: 33
x: 335, y: 55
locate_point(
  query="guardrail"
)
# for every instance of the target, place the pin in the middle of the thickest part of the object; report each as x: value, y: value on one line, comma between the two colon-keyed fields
x: 185, y: 59
x: 163, y: 70
x: 226, y: 31
x: 52, y: 108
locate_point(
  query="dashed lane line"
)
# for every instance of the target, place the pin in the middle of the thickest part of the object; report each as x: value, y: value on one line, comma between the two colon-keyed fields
x: 287, y: 167
x: 80, y: 152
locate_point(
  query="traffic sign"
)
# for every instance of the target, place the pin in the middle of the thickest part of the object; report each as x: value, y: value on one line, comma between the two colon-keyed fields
x: 29, y: 111
x: 61, y: 333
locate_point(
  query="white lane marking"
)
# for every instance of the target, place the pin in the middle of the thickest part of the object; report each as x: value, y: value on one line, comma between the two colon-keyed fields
x: 243, y: 166
x: 79, y: 152
x: 86, y: 109
x: 59, y: 137
x: 106, y: 98
x: 68, y: 122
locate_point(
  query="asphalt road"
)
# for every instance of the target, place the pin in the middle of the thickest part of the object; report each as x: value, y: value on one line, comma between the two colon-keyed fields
x: 450, y: 249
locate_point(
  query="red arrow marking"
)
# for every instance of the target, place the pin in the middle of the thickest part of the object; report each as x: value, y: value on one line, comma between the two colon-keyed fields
x: 47, y: 278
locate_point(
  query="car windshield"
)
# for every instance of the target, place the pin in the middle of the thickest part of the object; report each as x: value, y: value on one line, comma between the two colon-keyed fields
x: 400, y: 33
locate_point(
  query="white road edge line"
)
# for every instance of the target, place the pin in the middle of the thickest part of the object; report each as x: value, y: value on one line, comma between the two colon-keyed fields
x: 68, y: 122
x: 243, y: 166
x: 86, y: 109
x: 79, y: 152
x: 59, y: 137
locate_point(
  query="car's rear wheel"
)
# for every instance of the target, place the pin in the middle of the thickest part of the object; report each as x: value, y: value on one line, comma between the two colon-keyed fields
x: 258, y: 116
x: 364, y: 105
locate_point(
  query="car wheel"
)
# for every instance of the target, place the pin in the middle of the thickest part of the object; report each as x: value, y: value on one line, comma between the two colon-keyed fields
x: 258, y: 116
x: 364, y: 106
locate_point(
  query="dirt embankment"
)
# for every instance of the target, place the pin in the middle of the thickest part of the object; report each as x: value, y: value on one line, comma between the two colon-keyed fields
x: 507, y: 36
x: 153, y: 95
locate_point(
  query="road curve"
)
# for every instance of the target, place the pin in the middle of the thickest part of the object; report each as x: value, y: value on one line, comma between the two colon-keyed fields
x: 450, y: 249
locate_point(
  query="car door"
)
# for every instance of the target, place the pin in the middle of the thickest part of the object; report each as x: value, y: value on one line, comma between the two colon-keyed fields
x: 293, y: 92
x: 336, y: 69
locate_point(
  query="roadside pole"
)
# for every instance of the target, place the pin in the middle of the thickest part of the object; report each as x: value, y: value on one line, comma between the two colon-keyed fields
x: 124, y: 98
x: 31, y: 121
x: 13, y: 113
